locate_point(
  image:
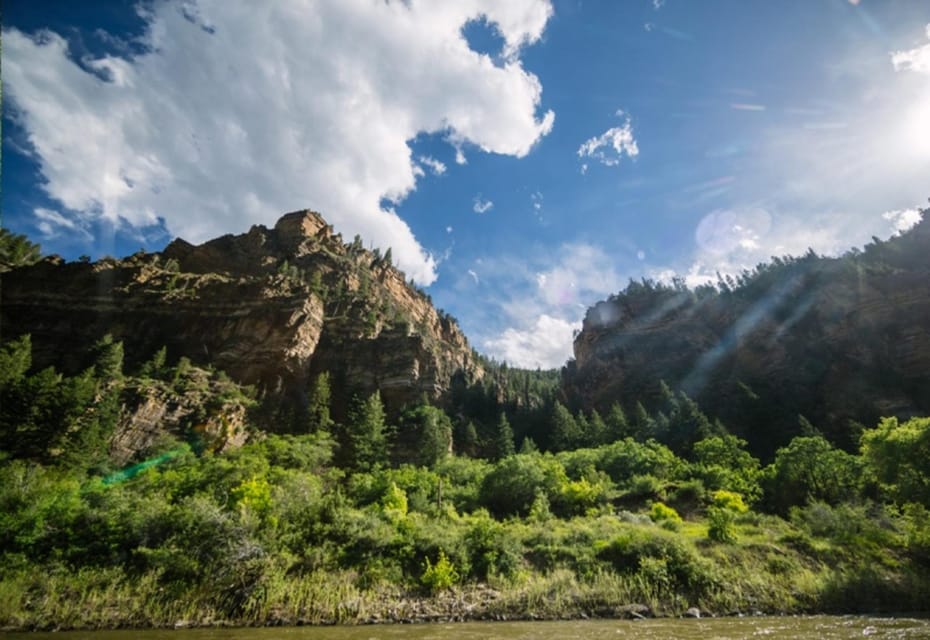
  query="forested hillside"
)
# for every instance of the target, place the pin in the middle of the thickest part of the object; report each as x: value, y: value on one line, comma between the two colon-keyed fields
x: 153, y: 489
x: 836, y: 343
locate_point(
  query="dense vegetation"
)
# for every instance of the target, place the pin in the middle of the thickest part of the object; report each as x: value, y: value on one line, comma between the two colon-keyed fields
x: 503, y: 503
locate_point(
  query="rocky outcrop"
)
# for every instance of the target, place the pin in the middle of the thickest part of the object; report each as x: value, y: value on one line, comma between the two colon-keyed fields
x: 271, y: 307
x: 835, y: 340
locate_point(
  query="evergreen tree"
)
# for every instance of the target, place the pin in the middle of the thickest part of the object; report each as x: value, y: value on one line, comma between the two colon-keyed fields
x: 16, y: 251
x: 318, y: 404
x: 367, y: 439
x: 503, y: 439
x: 617, y: 425
x: 597, y: 430
x: 644, y: 427
x: 565, y: 432
x: 108, y: 363
x: 469, y: 439
x: 15, y: 360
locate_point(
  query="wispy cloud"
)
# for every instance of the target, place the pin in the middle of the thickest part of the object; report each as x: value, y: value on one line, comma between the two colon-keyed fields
x: 481, y: 206
x: 52, y: 224
x: 129, y: 139
x: 609, y: 147
x: 745, y: 106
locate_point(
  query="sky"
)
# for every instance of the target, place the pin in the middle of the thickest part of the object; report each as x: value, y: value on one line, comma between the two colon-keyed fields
x: 522, y: 159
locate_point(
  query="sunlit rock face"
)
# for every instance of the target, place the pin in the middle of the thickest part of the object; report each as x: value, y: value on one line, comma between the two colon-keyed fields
x: 834, y: 340
x: 271, y: 307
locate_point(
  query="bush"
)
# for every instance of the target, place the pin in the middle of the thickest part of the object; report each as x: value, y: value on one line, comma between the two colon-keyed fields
x: 665, y: 516
x: 720, y: 525
x: 439, y: 576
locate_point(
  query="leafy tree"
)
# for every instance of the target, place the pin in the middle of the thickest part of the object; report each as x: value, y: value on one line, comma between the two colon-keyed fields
x: 722, y: 462
x: 17, y: 251
x: 896, y: 457
x: 810, y: 469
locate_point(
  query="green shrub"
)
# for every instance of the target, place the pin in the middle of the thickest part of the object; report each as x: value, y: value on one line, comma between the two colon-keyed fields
x: 665, y: 516
x: 439, y: 576
x: 720, y: 525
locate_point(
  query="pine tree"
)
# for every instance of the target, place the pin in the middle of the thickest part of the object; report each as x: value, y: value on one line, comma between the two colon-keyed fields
x: 318, y: 404
x: 503, y: 439
x: 109, y: 358
x: 367, y: 440
x: 617, y: 425
x: 565, y: 432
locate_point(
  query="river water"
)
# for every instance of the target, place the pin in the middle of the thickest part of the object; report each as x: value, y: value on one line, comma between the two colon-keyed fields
x: 769, y: 628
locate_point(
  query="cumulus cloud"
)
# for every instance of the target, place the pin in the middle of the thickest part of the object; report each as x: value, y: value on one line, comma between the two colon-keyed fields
x: 542, y: 345
x: 609, y: 147
x: 902, y: 219
x: 917, y: 59
x: 540, y: 301
x: 237, y: 112
x: 481, y: 206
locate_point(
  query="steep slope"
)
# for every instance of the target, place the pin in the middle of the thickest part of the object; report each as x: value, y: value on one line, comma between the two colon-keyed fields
x: 271, y: 307
x: 835, y: 340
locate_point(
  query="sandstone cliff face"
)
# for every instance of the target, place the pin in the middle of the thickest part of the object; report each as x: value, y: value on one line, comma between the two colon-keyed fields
x: 271, y: 307
x: 834, y: 340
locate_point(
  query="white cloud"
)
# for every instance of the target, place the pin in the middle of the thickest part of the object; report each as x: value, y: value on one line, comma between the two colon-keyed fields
x: 917, y: 59
x: 902, y: 219
x: 609, y: 147
x: 52, y: 224
x: 449, y: 229
x: 542, y: 345
x: 658, y: 4
x: 474, y: 275
x: 482, y: 206
x: 438, y: 168
x: 538, y: 302
x: 205, y: 134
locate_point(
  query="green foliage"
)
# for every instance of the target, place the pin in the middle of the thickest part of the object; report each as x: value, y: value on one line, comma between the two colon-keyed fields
x: 896, y: 457
x: 318, y: 404
x: 810, y: 469
x: 729, y: 500
x: 425, y: 435
x: 513, y: 484
x: 720, y: 525
x: 394, y: 503
x: 665, y: 516
x: 439, y: 576
x: 15, y: 360
x: 503, y: 445
x: 17, y: 250
x: 366, y: 442
x: 722, y: 462
x: 108, y: 361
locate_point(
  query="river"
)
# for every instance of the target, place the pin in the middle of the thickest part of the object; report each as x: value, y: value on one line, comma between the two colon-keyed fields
x: 770, y: 628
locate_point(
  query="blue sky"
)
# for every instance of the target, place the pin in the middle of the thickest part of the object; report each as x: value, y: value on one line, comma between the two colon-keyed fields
x: 523, y: 159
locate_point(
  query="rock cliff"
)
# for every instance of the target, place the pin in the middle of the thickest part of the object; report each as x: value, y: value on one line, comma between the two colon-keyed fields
x: 837, y: 340
x: 271, y: 307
